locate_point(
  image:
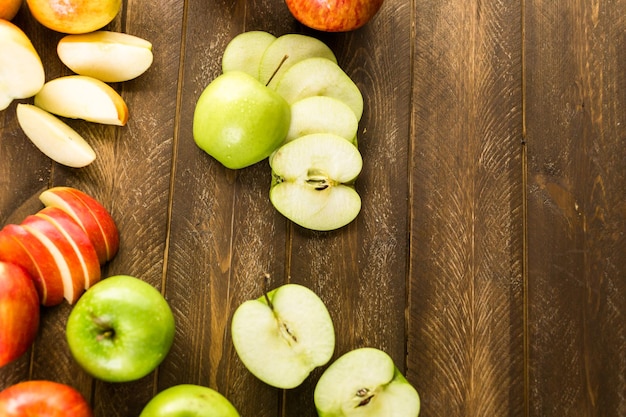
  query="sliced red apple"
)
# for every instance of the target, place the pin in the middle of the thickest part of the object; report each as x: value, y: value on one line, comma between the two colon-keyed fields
x: 54, y: 137
x: 92, y: 216
x: 22, y: 248
x: 79, y: 241
x: 83, y: 97
x: 66, y: 259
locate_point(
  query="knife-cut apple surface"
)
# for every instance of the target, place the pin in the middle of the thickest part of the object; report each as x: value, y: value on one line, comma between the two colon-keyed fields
x: 83, y: 97
x: 321, y: 114
x: 244, y: 52
x: 53, y: 137
x: 105, y: 55
x: 312, y: 181
x: 21, y: 71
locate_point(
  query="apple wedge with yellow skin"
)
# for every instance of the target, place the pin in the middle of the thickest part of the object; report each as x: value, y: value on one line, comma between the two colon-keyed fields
x: 64, y: 255
x: 83, y: 97
x: 19, y: 246
x: 312, y: 181
x: 244, y: 52
x: 105, y: 55
x: 21, y: 70
x: 90, y: 215
x: 55, y: 138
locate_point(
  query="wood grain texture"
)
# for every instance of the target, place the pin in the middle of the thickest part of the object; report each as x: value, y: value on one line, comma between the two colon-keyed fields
x: 577, y: 212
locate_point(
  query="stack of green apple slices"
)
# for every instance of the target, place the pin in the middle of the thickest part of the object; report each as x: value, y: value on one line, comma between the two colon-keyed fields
x: 317, y: 162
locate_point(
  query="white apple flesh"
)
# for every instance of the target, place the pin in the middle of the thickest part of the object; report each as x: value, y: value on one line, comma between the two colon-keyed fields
x: 320, y: 114
x: 53, y: 137
x: 320, y: 77
x: 105, y: 55
x: 281, y: 338
x: 312, y: 181
x: 365, y: 382
x: 244, y: 52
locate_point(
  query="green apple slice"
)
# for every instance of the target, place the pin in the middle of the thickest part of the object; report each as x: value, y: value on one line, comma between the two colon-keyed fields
x: 288, y: 50
x: 320, y: 77
x: 312, y: 181
x: 244, y: 52
x: 365, y: 382
x: 283, y: 336
x: 54, y: 137
x: 321, y: 114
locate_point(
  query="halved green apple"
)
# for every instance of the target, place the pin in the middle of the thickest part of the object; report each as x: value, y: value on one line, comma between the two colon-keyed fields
x: 312, y: 181
x: 286, y: 51
x: 320, y: 77
x: 321, y: 114
x: 365, y: 382
x: 244, y: 52
x: 282, y: 336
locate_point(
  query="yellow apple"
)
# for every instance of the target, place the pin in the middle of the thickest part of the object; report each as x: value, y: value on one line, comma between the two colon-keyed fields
x: 83, y: 97
x: 9, y: 8
x: 74, y: 16
x: 107, y: 56
x: 21, y: 71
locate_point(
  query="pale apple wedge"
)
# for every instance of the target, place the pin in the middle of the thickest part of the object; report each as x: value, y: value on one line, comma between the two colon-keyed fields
x: 64, y: 255
x: 90, y: 215
x: 105, y: 55
x: 312, y: 181
x: 320, y: 77
x: 17, y: 245
x: 79, y: 241
x: 55, y: 138
x: 244, y: 52
x: 286, y: 51
x: 83, y: 97
x: 21, y: 70
x: 321, y: 114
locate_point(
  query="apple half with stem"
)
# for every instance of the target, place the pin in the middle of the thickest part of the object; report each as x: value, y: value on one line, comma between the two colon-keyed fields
x: 244, y: 52
x: 312, y: 181
x: 21, y: 70
x: 365, y: 382
x: 106, y: 55
x: 83, y: 97
x: 42, y: 398
x: 56, y: 139
x: 283, y: 335
x: 286, y: 51
x: 90, y: 215
x: 189, y: 400
x: 19, y: 312
x: 322, y: 114
x: 320, y: 77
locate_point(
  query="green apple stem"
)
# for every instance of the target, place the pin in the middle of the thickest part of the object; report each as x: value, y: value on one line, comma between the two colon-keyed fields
x: 266, y: 282
x: 284, y: 329
x: 280, y: 64
x: 106, y: 331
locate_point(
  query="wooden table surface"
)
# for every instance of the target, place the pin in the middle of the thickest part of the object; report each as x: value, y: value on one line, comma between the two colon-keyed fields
x: 489, y: 258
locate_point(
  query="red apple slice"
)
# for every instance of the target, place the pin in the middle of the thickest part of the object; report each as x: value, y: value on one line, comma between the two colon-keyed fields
x: 90, y: 215
x: 66, y: 259
x: 20, y: 247
x: 79, y: 241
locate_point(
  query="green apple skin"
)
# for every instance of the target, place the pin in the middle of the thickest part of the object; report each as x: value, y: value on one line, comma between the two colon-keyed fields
x: 188, y: 400
x: 239, y: 121
x: 120, y: 329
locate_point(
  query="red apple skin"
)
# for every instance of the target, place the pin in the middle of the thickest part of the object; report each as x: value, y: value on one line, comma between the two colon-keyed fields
x: 334, y: 15
x: 19, y: 312
x: 92, y: 216
x: 18, y: 246
x: 43, y: 399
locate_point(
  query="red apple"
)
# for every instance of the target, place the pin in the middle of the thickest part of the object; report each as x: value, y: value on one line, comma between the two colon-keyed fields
x: 19, y: 312
x: 333, y: 15
x: 92, y: 216
x: 64, y: 255
x: 18, y: 246
x: 43, y: 399
x: 79, y: 240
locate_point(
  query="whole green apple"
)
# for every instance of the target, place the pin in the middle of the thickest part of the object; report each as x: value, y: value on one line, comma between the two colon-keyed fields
x: 188, y: 400
x: 120, y: 329
x: 239, y: 121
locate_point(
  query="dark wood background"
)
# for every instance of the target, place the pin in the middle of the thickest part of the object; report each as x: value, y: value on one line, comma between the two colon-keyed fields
x: 489, y: 259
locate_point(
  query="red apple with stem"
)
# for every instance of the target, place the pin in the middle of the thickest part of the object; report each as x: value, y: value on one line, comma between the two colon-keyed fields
x: 334, y: 15
x: 43, y: 399
x: 19, y: 312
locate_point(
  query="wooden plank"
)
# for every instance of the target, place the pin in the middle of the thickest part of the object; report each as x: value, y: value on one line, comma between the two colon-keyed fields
x: 465, y: 334
x: 576, y: 207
